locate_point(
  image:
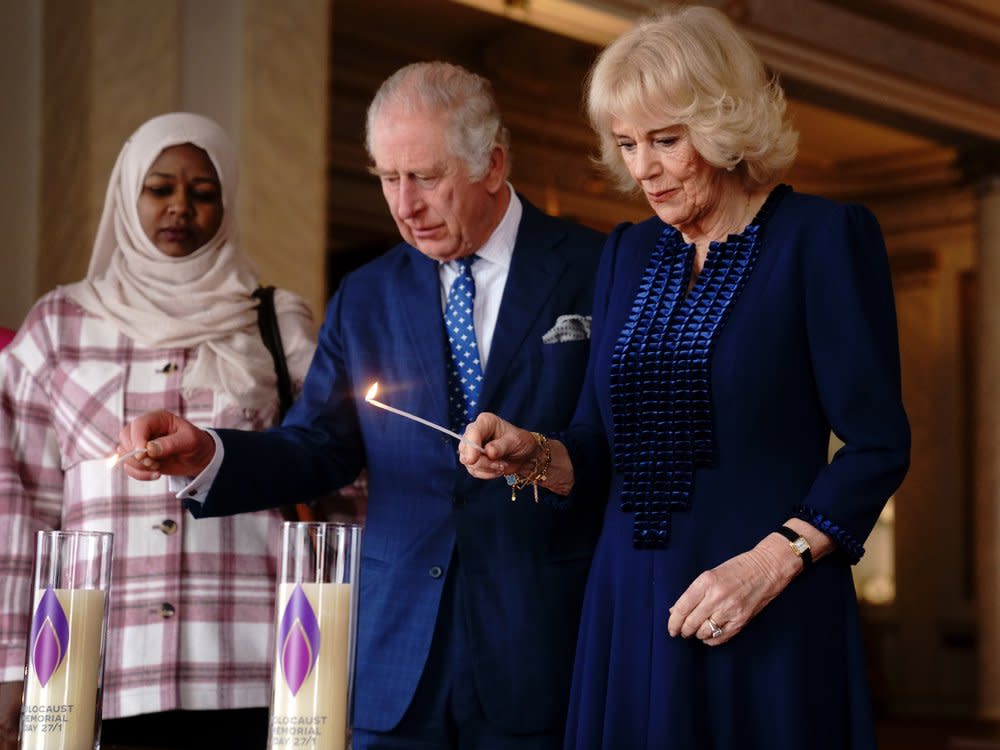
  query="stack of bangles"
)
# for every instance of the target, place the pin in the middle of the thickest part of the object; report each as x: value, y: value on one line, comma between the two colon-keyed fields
x: 539, y: 469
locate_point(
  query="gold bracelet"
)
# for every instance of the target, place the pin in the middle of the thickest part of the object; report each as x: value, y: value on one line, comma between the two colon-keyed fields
x: 539, y: 469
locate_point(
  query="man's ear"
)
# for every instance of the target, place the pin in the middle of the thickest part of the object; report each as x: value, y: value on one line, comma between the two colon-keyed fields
x: 496, y: 172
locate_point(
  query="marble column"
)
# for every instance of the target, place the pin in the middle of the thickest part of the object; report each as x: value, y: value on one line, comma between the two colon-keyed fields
x: 285, y: 116
x: 987, y: 465
x: 20, y: 80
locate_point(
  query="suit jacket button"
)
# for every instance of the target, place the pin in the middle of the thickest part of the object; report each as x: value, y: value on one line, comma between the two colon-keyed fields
x: 436, y: 571
x: 168, y: 526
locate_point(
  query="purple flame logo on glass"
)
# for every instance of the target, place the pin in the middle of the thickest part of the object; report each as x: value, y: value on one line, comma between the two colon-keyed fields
x: 49, y: 636
x: 298, y: 635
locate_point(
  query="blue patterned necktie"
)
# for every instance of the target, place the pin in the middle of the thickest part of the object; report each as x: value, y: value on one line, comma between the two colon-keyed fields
x: 465, y: 375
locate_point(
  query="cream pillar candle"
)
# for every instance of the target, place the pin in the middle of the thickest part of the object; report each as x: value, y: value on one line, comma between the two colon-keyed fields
x: 63, y: 678
x: 312, y: 670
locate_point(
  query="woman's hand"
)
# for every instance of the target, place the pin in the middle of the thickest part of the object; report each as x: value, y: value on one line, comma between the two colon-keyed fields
x: 731, y: 594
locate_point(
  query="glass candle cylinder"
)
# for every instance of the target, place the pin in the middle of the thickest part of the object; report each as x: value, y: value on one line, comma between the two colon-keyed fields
x: 316, y: 612
x: 61, y: 708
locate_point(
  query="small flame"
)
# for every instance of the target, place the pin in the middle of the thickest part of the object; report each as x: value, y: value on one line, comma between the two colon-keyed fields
x: 372, y: 391
x: 116, y: 458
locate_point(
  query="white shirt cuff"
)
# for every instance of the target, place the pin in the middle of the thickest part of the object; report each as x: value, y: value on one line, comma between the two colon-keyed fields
x: 196, y: 490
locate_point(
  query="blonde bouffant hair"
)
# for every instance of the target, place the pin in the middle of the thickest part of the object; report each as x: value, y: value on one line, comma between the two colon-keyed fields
x: 689, y: 66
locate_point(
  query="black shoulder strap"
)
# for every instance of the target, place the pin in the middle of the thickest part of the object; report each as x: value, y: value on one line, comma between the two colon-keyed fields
x: 267, y: 319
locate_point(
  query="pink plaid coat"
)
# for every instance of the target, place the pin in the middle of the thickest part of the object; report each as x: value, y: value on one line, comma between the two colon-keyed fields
x: 192, y: 601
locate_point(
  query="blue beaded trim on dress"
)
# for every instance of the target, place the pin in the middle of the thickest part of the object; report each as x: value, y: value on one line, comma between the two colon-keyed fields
x: 846, y: 541
x: 661, y: 368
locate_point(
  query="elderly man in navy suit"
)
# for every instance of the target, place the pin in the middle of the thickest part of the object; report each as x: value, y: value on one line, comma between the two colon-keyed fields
x: 469, y: 603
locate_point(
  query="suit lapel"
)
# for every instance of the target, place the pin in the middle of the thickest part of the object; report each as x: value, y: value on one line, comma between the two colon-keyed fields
x: 535, y: 269
x: 419, y: 295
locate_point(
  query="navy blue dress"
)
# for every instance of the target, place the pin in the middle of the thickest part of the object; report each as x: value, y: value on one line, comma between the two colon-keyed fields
x: 717, y: 406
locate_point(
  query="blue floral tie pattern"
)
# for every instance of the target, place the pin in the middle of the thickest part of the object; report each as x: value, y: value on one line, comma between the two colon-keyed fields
x: 465, y: 375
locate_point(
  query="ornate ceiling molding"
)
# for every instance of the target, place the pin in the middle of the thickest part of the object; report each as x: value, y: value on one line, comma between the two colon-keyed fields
x: 881, y: 54
x: 883, y: 89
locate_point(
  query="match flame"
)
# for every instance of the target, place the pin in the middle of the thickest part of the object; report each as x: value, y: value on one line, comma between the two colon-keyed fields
x: 372, y: 391
x: 116, y: 458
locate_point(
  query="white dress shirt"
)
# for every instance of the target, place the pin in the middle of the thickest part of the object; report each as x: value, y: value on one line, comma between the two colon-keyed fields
x: 490, y: 274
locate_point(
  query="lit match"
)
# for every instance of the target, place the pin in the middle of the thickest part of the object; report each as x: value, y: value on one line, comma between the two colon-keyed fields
x: 114, y: 460
x: 370, y: 398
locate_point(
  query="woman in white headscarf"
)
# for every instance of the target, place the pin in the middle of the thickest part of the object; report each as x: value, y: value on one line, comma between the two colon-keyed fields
x: 166, y: 318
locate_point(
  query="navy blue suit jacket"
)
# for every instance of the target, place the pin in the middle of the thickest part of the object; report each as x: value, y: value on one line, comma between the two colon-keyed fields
x: 523, y: 565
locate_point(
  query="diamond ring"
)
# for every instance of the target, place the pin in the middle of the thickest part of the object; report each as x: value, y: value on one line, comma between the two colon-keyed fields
x: 716, y: 630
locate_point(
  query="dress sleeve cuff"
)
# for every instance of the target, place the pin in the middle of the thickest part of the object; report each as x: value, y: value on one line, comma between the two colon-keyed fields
x: 846, y: 542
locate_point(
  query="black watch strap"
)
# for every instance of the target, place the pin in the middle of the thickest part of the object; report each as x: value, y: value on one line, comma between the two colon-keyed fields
x: 798, y: 544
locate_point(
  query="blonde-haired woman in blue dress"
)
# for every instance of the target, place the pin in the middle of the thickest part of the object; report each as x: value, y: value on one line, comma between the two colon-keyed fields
x: 732, y: 332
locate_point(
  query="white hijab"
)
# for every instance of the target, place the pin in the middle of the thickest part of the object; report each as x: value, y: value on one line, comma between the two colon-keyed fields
x: 201, y: 301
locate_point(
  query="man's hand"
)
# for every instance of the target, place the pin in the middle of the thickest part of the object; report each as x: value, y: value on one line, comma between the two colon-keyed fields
x: 10, y: 714
x: 172, y: 445
x: 506, y: 448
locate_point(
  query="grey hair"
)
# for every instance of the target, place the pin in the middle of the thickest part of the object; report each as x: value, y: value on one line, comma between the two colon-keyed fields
x: 475, y: 127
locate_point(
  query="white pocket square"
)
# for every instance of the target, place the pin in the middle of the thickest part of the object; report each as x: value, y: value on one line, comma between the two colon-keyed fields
x: 568, y: 328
